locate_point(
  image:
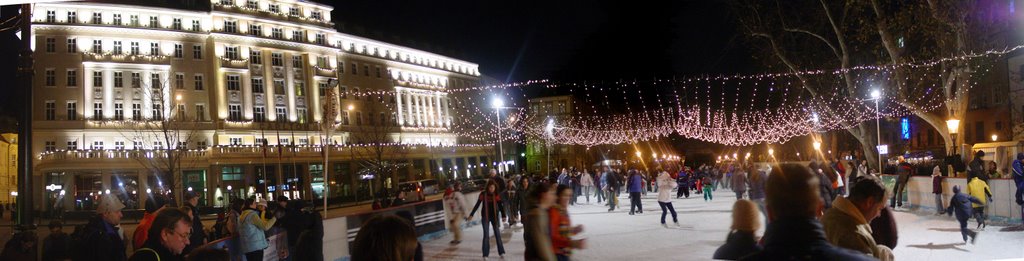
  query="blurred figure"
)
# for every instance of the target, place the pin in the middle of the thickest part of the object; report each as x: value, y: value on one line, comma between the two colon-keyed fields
x: 385, y: 238
x: 742, y: 240
x: 456, y: 203
x: 537, y: 225
x: 57, y: 245
x: 561, y: 227
x: 21, y: 247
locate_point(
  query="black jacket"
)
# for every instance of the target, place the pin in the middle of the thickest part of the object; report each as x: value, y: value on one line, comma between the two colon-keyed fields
x: 198, y: 235
x: 100, y: 243
x: 737, y: 245
x: 801, y: 239
x: 158, y: 249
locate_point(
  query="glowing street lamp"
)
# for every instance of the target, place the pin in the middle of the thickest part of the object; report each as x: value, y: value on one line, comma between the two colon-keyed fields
x: 953, y: 125
x: 771, y: 152
x: 816, y: 145
x: 995, y: 137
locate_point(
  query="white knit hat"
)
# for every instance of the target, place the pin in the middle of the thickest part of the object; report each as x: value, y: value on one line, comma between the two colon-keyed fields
x: 109, y: 203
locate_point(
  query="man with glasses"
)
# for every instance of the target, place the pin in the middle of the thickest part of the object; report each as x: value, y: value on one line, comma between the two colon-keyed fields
x: 168, y: 237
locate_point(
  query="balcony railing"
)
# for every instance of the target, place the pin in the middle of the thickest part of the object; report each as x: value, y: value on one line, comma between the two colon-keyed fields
x: 327, y: 72
x: 234, y: 63
x: 119, y: 154
x: 125, y: 58
x: 270, y: 15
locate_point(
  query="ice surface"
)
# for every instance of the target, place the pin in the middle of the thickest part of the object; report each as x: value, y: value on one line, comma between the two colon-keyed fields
x: 619, y: 236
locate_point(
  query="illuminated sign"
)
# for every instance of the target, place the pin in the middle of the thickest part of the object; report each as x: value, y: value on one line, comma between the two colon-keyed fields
x: 883, y: 149
x: 905, y: 128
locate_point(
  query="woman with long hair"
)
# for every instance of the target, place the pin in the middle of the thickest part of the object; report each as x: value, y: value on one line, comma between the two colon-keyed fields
x: 561, y: 227
x: 490, y: 199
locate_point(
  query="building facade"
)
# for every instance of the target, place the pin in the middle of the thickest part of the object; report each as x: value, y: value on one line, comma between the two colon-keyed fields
x: 231, y: 98
x: 541, y: 157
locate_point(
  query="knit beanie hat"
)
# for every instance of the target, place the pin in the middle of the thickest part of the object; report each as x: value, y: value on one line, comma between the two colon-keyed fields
x: 745, y: 216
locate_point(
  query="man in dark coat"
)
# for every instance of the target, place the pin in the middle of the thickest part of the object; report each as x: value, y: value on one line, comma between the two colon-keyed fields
x: 101, y: 239
x: 1018, y: 179
x: 793, y: 231
x: 198, y: 237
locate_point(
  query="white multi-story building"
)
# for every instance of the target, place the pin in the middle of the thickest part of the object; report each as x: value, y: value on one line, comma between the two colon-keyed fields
x: 230, y: 96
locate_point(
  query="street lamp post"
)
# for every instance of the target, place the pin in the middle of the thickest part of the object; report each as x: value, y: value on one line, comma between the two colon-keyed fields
x: 497, y: 104
x: 954, y: 126
x: 549, y: 130
x: 877, y: 95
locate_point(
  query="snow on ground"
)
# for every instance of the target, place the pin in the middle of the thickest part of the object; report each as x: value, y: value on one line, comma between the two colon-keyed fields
x: 619, y: 236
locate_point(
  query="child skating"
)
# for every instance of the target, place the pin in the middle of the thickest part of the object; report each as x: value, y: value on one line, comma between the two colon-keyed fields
x: 961, y: 204
x: 707, y: 188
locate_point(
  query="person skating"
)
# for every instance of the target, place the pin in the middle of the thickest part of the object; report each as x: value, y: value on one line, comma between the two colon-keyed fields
x: 1018, y: 179
x: 681, y: 183
x: 599, y: 180
x: 708, y: 188
x: 512, y: 199
x: 665, y: 185
x: 961, y: 205
x: 738, y: 183
x: 937, y: 190
x: 587, y: 184
x: 757, y: 181
x: 490, y: 199
x: 537, y: 227
x: 612, y: 188
x: 635, y: 184
x: 562, y: 229
x: 979, y: 189
x: 456, y: 203
x: 905, y: 171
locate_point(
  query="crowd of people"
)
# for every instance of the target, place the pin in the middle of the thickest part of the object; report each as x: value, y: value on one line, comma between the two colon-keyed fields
x: 169, y: 232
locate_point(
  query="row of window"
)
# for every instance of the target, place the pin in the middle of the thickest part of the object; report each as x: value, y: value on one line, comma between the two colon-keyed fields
x: 71, y: 16
x: 50, y: 111
x: 276, y: 9
x: 120, y: 145
x: 231, y: 26
x: 50, y: 79
x: 117, y: 48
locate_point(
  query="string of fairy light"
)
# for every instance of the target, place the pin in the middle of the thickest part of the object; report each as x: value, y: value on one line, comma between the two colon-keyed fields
x: 736, y: 110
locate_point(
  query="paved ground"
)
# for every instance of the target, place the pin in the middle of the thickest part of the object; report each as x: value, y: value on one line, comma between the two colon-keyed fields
x: 619, y: 236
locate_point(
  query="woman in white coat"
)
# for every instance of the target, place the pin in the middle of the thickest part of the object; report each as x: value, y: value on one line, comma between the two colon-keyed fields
x: 587, y: 182
x: 665, y: 185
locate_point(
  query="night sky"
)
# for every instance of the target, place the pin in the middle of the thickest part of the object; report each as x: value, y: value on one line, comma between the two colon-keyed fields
x: 569, y: 40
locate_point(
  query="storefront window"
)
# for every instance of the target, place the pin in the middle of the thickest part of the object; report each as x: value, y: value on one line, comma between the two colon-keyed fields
x: 266, y: 180
x: 156, y: 185
x: 55, y: 192
x: 231, y: 176
x: 316, y: 173
x: 293, y: 181
x: 195, y: 181
x: 125, y: 186
x: 88, y: 188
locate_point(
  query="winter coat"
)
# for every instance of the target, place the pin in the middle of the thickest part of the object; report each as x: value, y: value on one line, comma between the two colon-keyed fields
x: 456, y: 203
x: 739, y: 182
x: 251, y: 228
x: 491, y: 206
x: 564, y: 179
x: 197, y: 237
x: 825, y: 189
x: 846, y: 227
x: 561, y: 230
x: 883, y: 229
x: 979, y: 189
x: 800, y: 239
x: 612, y: 180
x: 937, y: 184
x: 102, y: 242
x: 152, y: 250
x: 586, y: 180
x: 599, y: 181
x: 1018, y: 173
x: 57, y: 247
x: 635, y: 183
x: 738, y: 244
x: 961, y: 204
x: 537, y: 236
x: 757, y: 185
x: 977, y: 169
x: 665, y: 186
x: 142, y: 230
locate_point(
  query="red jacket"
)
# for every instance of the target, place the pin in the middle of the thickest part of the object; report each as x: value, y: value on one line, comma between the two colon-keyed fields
x: 561, y: 230
x: 142, y: 231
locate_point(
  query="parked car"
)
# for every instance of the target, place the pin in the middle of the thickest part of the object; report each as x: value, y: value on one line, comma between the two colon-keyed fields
x: 413, y: 191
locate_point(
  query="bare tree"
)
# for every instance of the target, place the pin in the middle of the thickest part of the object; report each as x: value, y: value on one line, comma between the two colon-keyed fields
x: 160, y: 139
x: 808, y: 35
x: 377, y: 133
